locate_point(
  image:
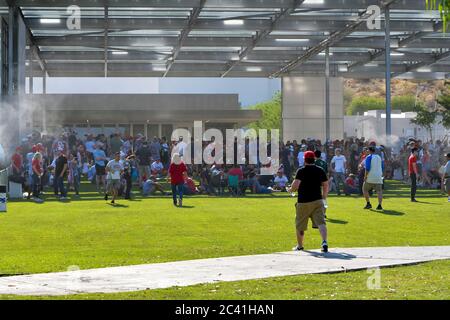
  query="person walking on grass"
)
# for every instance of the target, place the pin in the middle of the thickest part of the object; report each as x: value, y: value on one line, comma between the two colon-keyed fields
x: 446, y: 177
x: 100, y: 163
x: 373, y: 179
x: 311, y: 182
x: 37, y: 176
x: 114, y: 170
x: 61, y: 168
x: 339, y: 168
x: 413, y: 172
x: 177, y: 173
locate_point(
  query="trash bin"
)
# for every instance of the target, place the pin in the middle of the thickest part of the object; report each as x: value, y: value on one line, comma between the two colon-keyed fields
x: 2, y: 198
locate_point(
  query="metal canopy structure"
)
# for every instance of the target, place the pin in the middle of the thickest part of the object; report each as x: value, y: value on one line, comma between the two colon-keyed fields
x: 231, y: 38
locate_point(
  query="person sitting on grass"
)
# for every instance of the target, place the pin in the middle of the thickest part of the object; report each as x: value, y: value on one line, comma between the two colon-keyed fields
x: 280, y: 182
x: 258, y: 188
x: 189, y: 187
x: 350, y: 186
x: 151, y: 186
x: 205, y: 182
x: 157, y: 168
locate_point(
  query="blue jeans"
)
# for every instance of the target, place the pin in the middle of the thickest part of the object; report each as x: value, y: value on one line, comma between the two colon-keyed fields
x: 36, y: 185
x: 177, y: 189
x: 60, y: 187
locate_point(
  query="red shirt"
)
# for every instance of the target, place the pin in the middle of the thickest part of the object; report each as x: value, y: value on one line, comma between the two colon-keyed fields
x: 36, y: 163
x: 350, y: 182
x: 412, y: 159
x: 236, y: 172
x: 176, y: 173
x: 17, y: 160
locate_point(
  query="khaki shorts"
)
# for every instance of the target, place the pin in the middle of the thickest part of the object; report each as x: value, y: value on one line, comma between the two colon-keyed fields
x: 372, y: 186
x: 447, y: 185
x: 314, y: 210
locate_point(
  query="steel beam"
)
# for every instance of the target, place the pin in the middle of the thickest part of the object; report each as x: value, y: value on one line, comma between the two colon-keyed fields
x: 335, y: 37
x: 262, y: 35
x: 224, y: 4
x: 388, y: 74
x: 327, y: 95
x: 184, y: 34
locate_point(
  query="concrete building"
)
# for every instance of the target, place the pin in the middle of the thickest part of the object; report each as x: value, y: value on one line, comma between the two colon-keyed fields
x: 304, y: 108
x: 372, y: 125
x: 150, y: 115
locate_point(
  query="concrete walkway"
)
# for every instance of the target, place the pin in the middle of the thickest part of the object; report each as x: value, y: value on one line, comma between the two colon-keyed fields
x: 186, y: 273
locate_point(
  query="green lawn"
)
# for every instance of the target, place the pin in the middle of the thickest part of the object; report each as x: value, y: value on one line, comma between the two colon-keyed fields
x: 90, y: 233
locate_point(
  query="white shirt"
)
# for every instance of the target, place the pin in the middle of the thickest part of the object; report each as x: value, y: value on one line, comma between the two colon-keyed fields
x: 281, y: 181
x: 181, y: 148
x: 339, y: 163
x: 115, y: 168
x: 375, y: 174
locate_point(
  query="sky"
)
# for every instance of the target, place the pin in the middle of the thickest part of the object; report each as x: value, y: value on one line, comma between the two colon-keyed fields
x: 250, y: 90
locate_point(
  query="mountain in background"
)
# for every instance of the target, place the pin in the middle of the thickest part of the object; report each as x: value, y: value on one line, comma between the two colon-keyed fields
x: 373, y: 90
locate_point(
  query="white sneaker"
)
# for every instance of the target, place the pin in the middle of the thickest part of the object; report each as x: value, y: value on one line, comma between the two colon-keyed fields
x: 297, y: 248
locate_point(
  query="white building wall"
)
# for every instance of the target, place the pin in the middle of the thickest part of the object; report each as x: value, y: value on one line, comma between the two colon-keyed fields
x: 373, y: 127
x: 303, y: 111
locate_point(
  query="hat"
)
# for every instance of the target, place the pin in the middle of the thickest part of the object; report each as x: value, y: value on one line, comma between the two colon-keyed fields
x: 309, y: 155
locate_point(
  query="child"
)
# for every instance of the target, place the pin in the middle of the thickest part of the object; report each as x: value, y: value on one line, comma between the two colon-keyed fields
x: 350, y: 185
x: 74, y: 174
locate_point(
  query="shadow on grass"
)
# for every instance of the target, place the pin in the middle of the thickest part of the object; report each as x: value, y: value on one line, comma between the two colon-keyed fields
x: 118, y: 205
x: 336, y: 221
x: 391, y: 212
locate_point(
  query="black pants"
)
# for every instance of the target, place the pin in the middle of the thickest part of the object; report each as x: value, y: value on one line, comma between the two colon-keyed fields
x: 128, y: 187
x: 413, y: 185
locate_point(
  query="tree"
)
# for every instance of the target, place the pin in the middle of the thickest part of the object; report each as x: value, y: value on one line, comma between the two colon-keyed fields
x: 444, y: 102
x: 425, y: 118
x: 271, y: 114
x: 444, y: 8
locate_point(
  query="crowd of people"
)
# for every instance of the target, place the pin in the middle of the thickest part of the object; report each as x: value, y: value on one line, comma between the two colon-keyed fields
x: 117, y: 165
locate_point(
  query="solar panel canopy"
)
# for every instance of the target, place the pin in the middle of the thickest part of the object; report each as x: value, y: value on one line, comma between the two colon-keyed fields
x: 230, y: 38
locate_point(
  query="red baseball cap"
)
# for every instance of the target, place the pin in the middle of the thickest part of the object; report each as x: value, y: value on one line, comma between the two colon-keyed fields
x: 309, y: 155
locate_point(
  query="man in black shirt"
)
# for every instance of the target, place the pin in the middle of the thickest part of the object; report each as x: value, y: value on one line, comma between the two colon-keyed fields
x: 310, y: 181
x: 60, y: 172
x: 143, y: 156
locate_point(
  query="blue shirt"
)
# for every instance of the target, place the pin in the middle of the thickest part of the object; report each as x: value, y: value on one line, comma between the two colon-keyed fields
x: 99, y: 153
